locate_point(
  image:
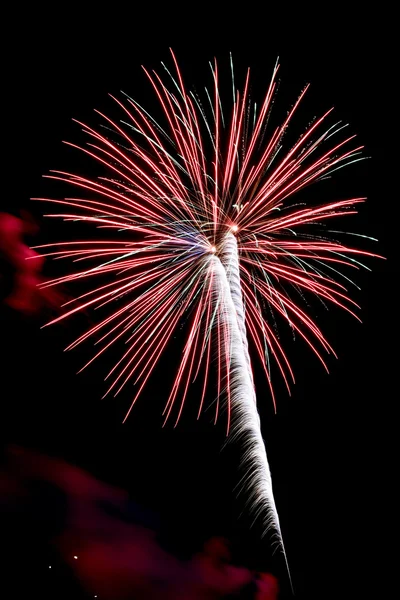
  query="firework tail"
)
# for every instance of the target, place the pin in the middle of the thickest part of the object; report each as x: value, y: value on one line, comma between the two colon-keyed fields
x: 245, y: 420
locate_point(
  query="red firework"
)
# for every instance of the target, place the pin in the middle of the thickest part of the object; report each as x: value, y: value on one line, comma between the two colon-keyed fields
x: 173, y: 191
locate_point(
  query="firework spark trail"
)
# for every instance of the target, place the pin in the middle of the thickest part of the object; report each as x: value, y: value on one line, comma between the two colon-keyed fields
x: 245, y: 418
x: 204, y: 231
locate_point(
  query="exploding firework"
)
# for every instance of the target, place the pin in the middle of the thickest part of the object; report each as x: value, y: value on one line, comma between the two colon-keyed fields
x: 202, y: 225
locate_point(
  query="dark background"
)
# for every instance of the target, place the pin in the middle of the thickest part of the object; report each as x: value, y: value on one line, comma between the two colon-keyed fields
x: 332, y: 444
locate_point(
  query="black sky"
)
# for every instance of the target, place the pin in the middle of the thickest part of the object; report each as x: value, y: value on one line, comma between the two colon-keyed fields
x: 332, y: 444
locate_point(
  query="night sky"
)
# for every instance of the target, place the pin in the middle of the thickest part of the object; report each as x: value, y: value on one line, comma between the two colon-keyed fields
x: 331, y: 445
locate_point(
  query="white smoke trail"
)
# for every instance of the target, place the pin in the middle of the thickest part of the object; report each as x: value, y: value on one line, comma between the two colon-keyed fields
x: 230, y: 259
x: 245, y: 417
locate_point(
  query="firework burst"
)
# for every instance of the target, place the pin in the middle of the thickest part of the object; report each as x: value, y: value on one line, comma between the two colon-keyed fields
x: 200, y: 224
